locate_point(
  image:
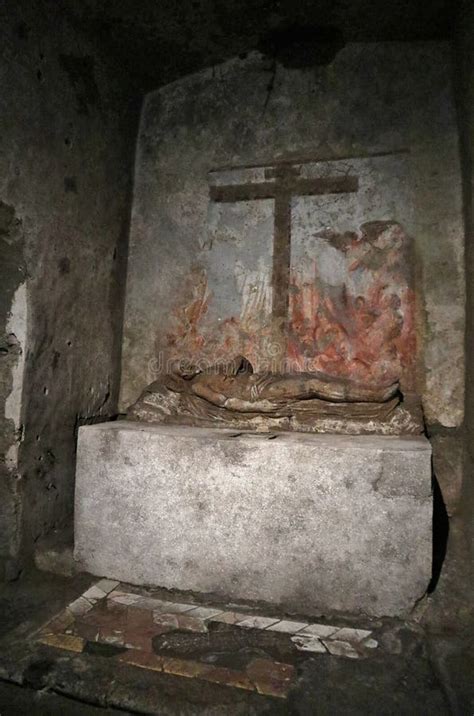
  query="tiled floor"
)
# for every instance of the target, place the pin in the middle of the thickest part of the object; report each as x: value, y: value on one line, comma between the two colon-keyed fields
x: 254, y: 652
x: 410, y: 671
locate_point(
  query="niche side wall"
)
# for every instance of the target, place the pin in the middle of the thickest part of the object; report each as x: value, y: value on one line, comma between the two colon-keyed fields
x: 68, y: 128
x: 464, y: 39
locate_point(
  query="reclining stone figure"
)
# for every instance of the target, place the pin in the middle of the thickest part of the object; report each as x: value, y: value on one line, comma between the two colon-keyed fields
x: 232, y: 395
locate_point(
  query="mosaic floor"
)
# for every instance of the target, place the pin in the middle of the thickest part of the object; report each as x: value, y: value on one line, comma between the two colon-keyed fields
x: 230, y: 647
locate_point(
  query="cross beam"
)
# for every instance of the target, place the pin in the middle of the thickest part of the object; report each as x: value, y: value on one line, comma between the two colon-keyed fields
x: 268, y: 190
x: 281, y: 184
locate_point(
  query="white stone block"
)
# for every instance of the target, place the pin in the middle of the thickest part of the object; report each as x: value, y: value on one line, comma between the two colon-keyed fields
x: 309, y: 522
x: 308, y: 643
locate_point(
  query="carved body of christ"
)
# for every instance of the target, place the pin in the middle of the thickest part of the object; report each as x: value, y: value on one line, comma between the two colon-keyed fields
x: 281, y: 184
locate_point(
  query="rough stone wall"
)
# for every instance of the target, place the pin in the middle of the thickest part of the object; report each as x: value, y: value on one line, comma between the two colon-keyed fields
x: 464, y: 44
x: 453, y: 448
x: 67, y: 128
x: 372, y: 99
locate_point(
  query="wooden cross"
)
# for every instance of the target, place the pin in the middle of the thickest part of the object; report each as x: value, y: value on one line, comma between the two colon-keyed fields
x: 281, y: 184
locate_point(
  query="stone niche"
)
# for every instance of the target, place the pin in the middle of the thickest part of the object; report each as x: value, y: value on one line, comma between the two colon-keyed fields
x: 301, y: 266
x: 300, y: 272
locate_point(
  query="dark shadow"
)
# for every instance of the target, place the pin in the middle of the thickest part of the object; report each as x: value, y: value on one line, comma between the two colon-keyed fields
x: 299, y: 47
x: 440, y: 534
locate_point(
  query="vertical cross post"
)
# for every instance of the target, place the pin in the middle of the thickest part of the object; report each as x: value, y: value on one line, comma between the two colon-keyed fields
x: 282, y: 183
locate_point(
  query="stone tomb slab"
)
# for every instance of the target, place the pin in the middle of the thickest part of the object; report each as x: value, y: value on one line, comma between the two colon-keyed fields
x: 308, y: 522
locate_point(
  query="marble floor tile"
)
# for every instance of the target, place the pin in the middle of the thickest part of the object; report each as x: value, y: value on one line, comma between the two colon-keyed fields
x: 94, y: 593
x: 126, y: 598
x: 80, y: 606
x: 227, y: 677
x: 287, y: 626
x: 184, y: 667
x: 271, y: 678
x: 64, y: 641
x: 257, y: 622
x: 321, y: 630
x: 183, y: 622
x: 107, y: 585
x: 181, y: 607
x: 205, y: 612
x: 228, y: 617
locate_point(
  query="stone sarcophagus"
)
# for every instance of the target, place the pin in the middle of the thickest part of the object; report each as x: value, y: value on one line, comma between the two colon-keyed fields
x: 309, y: 522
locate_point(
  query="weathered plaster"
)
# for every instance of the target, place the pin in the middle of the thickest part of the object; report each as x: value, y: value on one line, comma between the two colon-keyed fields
x: 16, y: 326
x: 12, y: 357
x: 373, y: 99
x: 67, y: 122
x: 16, y: 332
